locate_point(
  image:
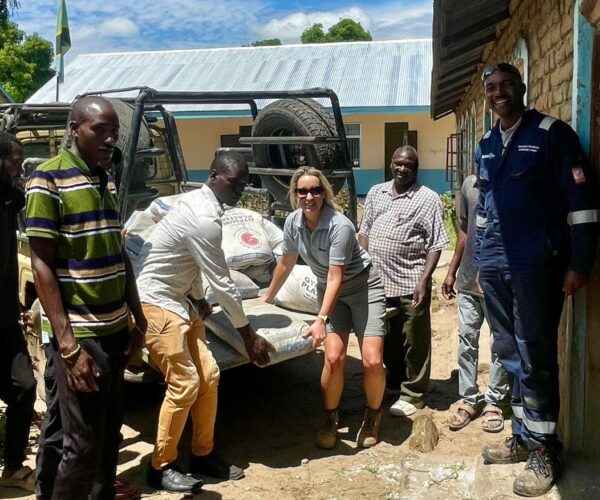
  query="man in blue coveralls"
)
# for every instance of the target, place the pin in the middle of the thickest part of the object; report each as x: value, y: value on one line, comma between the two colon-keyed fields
x: 536, y: 238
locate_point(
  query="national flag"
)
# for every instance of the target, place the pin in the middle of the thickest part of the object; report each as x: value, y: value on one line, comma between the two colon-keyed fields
x: 63, y: 39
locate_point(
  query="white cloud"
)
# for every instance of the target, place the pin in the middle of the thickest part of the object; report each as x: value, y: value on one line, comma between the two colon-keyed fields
x: 394, y: 21
x: 120, y: 27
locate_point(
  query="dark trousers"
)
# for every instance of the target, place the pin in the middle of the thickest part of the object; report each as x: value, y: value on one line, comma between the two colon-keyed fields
x: 524, y: 312
x: 407, y: 347
x: 91, y: 424
x: 51, y: 436
x: 17, y: 390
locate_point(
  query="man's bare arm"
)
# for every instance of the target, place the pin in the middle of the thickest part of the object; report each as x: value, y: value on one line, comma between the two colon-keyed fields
x: 448, y: 291
x: 81, y: 371
x: 363, y: 241
x: 431, y: 260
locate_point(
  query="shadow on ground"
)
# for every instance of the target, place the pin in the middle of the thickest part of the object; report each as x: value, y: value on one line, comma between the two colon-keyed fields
x: 270, y: 415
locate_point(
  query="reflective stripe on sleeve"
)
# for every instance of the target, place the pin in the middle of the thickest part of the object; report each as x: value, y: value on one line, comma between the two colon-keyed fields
x: 583, y: 217
x: 547, y: 122
x: 480, y: 221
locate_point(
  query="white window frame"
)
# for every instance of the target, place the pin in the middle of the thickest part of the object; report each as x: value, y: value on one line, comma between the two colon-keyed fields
x: 355, y: 162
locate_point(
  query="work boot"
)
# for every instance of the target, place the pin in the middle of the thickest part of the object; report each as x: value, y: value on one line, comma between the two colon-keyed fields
x: 327, y: 434
x: 511, y: 451
x: 368, y: 435
x: 541, y: 471
x: 213, y: 465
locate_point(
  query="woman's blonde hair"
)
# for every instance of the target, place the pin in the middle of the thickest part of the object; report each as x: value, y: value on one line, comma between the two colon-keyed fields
x: 328, y: 196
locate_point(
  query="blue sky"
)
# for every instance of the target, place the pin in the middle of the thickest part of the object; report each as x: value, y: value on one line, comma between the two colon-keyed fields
x: 127, y: 25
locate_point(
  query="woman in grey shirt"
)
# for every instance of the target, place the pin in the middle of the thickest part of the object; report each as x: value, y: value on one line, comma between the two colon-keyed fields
x: 350, y: 295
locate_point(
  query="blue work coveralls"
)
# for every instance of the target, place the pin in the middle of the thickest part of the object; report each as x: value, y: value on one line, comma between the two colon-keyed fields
x: 537, y: 218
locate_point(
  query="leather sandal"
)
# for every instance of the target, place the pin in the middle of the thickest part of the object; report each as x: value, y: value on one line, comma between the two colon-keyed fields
x: 493, y: 419
x: 464, y: 415
x: 23, y: 478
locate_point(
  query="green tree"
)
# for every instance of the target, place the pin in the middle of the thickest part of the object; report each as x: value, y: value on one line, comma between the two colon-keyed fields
x: 24, y: 61
x: 314, y: 34
x: 268, y: 41
x: 346, y: 30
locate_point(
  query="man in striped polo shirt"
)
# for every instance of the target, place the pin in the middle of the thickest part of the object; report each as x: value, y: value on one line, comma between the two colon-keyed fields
x: 87, y: 289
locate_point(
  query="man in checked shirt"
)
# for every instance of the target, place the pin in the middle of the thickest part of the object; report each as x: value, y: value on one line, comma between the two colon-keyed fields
x: 403, y: 230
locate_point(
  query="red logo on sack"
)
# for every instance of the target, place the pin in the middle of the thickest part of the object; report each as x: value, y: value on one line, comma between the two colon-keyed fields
x: 250, y: 239
x: 578, y: 175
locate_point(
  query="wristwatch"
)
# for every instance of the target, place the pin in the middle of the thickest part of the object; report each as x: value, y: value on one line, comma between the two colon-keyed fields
x: 324, y: 317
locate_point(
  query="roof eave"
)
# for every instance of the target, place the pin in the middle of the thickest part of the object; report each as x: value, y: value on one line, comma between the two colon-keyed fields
x: 461, y: 30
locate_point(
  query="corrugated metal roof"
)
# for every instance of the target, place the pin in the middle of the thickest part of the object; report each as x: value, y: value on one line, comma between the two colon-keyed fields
x: 389, y: 74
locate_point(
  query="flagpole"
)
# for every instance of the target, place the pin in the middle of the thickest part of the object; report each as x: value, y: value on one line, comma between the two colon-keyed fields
x: 63, y: 43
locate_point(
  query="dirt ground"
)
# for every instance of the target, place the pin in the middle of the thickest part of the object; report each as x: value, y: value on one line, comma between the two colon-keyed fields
x: 268, y: 417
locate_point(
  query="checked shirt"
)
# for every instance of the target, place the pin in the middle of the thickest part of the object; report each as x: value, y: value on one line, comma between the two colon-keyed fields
x: 402, y: 230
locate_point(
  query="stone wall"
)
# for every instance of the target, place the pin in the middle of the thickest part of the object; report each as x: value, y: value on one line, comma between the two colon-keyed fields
x: 547, y: 27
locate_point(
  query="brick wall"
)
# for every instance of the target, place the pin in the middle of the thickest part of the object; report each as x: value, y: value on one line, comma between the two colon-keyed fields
x: 547, y: 27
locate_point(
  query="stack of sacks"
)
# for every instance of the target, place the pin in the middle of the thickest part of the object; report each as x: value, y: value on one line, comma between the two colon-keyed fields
x: 283, y: 330
x: 299, y: 292
x: 141, y: 224
x: 137, y: 230
x: 247, y: 288
x: 252, y: 244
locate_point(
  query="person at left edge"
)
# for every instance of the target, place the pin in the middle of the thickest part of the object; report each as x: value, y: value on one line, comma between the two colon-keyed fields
x: 17, y: 383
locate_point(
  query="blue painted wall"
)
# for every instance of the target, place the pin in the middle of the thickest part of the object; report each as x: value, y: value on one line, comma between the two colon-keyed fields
x: 433, y: 178
x: 197, y: 175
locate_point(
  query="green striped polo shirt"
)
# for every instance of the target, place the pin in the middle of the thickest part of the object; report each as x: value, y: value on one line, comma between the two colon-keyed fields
x: 66, y: 202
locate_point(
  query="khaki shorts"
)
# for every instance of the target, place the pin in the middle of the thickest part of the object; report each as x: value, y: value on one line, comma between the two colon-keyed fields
x: 360, y: 307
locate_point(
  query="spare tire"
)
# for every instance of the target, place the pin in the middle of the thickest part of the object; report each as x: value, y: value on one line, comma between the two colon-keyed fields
x: 302, y: 117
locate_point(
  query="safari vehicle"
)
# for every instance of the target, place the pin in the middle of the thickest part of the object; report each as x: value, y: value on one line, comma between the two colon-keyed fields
x: 291, y: 131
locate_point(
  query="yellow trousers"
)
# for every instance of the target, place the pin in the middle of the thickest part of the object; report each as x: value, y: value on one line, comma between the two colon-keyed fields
x: 178, y: 347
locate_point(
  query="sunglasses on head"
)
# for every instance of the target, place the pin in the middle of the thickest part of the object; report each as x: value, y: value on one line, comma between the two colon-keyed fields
x: 315, y: 191
x: 504, y: 67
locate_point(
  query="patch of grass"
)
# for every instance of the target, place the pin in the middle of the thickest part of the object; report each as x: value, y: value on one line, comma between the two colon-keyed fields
x: 449, y: 205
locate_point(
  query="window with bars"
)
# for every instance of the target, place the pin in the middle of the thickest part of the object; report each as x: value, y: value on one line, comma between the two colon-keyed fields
x: 353, y: 139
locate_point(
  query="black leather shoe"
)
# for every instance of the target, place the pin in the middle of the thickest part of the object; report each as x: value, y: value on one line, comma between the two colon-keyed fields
x: 213, y: 465
x: 172, y: 479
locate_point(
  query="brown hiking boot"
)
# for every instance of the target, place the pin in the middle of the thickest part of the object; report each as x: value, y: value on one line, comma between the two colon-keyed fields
x: 541, y: 471
x: 327, y: 434
x: 511, y: 451
x: 368, y: 435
